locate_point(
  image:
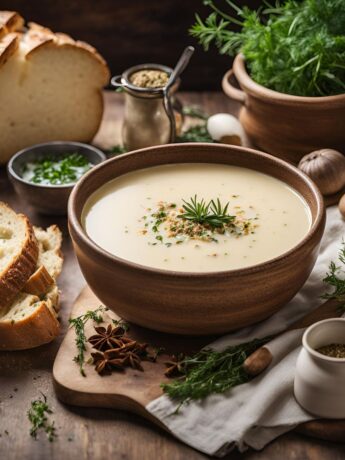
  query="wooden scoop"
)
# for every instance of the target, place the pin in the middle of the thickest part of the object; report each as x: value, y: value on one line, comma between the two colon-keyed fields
x: 258, y: 361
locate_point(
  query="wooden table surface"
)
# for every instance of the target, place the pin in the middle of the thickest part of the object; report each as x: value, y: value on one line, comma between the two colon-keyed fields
x: 85, y: 433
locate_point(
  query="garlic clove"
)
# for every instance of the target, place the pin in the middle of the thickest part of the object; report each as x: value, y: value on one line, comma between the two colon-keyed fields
x: 225, y: 128
x: 326, y: 168
x: 341, y: 206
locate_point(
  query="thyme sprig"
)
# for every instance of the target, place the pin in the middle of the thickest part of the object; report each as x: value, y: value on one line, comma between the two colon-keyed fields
x: 335, y: 279
x: 209, y: 371
x: 78, y: 324
x: 37, y: 415
x: 212, y: 213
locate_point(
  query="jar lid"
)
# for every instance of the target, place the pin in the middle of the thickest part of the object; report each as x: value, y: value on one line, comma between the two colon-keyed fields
x: 124, y: 80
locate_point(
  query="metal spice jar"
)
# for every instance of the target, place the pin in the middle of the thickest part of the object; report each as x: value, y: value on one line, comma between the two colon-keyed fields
x: 146, y: 121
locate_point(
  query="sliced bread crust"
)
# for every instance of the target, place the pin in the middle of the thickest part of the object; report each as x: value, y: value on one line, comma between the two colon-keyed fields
x: 31, y: 320
x: 19, y: 258
x: 39, y: 282
x: 38, y: 326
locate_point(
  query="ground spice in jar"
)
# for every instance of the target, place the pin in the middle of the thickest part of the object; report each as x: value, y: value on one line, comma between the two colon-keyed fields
x: 334, y: 350
x: 149, y: 78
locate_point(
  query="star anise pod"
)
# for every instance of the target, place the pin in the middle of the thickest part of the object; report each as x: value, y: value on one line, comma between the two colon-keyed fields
x: 141, y: 350
x: 175, y: 366
x: 108, y: 361
x: 107, y: 338
x: 134, y: 361
x: 128, y: 345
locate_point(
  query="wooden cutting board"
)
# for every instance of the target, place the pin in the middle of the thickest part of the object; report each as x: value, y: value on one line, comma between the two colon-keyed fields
x: 132, y: 390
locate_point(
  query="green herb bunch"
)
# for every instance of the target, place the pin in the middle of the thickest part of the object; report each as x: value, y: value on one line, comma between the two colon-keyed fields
x: 78, y: 324
x: 294, y: 47
x: 208, y: 372
x: 212, y: 213
x: 37, y: 415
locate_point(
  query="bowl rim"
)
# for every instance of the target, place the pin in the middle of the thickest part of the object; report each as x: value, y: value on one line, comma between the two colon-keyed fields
x: 74, y: 223
x: 312, y: 350
x: 256, y: 89
x: 11, y: 171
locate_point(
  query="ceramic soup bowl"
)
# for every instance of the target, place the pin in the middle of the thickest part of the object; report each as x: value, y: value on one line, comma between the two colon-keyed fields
x: 195, y: 302
x: 320, y: 380
x: 285, y: 125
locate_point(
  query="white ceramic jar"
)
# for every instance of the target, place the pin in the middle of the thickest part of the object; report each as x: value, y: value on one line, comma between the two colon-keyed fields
x: 320, y: 380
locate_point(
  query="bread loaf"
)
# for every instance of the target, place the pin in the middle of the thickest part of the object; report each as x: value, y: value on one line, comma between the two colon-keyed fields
x: 50, y: 86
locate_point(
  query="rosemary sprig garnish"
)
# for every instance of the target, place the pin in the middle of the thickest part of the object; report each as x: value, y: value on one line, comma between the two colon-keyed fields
x: 334, y: 280
x: 209, y: 371
x: 212, y: 213
x: 37, y: 415
x: 78, y: 324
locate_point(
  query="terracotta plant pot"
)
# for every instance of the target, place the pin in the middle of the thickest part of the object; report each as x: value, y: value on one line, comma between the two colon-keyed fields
x: 284, y: 125
x: 190, y: 302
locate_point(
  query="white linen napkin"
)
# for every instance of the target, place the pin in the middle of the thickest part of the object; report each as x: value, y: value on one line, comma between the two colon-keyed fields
x: 253, y: 414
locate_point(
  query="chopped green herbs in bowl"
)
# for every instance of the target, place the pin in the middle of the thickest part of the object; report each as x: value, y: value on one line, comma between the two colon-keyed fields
x: 56, y: 170
x: 44, y: 174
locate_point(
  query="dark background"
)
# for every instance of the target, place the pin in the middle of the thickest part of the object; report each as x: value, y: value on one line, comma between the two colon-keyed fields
x: 130, y: 32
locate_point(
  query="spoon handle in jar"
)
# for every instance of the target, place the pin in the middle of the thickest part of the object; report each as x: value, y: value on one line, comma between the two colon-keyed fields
x: 180, y: 66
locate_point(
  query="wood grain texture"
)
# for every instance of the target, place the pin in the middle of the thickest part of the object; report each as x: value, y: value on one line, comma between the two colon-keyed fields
x: 132, y: 390
x: 97, y: 434
x: 133, y: 32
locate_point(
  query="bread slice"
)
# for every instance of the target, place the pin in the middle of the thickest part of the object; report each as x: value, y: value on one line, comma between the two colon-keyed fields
x: 49, y: 261
x: 18, y: 254
x: 39, y: 282
x: 31, y: 320
x: 50, y: 255
x: 50, y: 87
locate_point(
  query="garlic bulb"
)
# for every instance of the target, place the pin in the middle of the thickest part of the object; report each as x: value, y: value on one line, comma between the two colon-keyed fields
x: 226, y: 129
x: 326, y: 168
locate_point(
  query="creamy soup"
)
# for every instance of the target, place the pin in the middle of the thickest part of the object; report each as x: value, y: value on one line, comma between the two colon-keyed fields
x: 196, y: 217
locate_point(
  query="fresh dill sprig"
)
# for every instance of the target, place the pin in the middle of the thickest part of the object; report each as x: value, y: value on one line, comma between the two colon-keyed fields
x: 212, y: 213
x: 295, y: 47
x: 37, y: 415
x: 78, y: 324
x: 208, y: 372
x: 335, y: 281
